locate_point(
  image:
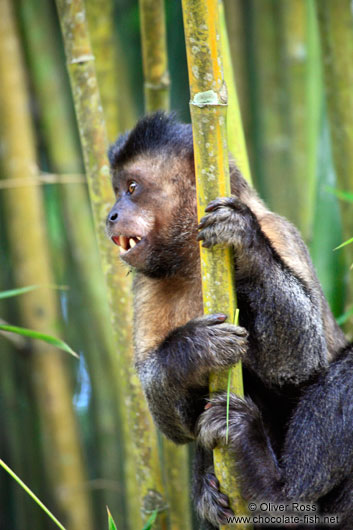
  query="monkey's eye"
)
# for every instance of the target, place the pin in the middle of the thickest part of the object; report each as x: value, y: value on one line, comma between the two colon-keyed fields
x: 131, y: 187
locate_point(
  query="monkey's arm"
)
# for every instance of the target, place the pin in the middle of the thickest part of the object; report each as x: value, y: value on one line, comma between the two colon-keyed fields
x: 281, y: 310
x: 318, y: 449
x: 175, y: 375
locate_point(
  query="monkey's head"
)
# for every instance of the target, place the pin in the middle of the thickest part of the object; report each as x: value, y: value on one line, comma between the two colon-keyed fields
x: 154, y: 217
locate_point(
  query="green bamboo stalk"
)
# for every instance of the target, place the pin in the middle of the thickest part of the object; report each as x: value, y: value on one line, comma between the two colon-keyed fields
x: 48, y: 78
x: 269, y: 105
x: 157, y: 97
x: 101, y: 27
x: 147, y: 493
x: 154, y: 54
x: 304, y: 84
x: 208, y: 112
x: 235, y: 131
x: 11, y: 420
x: 336, y: 32
x: 237, y: 30
x: 30, y: 257
x: 287, y: 105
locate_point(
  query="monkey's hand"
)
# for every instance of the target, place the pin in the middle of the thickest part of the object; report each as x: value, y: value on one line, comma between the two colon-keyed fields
x: 229, y: 222
x: 205, y: 344
x: 175, y: 375
x: 211, y: 504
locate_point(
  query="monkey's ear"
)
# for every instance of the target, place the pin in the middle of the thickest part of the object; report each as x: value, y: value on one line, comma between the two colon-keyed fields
x: 115, y: 149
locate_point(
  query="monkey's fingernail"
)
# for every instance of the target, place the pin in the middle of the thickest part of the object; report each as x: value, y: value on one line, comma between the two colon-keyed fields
x: 228, y: 514
x: 200, y: 237
x: 221, y: 317
x: 208, y: 405
x: 212, y: 481
x: 223, y: 501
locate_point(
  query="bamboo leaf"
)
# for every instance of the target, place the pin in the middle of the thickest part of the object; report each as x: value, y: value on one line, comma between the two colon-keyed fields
x: 30, y: 493
x: 111, y: 523
x: 235, y: 322
x: 40, y: 336
x: 22, y: 290
x: 343, y: 318
x: 344, y: 195
x: 348, y: 242
x: 16, y: 292
x: 151, y: 521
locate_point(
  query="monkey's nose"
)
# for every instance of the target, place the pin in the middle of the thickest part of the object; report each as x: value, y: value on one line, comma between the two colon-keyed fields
x: 112, y: 217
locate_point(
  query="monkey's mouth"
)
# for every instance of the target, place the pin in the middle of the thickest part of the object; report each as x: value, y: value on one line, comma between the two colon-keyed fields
x: 126, y: 243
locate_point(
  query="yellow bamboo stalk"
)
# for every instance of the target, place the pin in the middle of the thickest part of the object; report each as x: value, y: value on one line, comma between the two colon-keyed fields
x: 154, y: 54
x: 145, y: 491
x: 48, y: 79
x: 30, y: 257
x: 208, y: 108
x: 101, y: 24
x: 336, y: 32
x: 157, y: 97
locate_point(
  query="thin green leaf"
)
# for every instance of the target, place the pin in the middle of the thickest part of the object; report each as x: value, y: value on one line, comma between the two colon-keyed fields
x: 151, y: 521
x: 343, y: 318
x: 235, y: 322
x: 348, y: 242
x: 31, y: 494
x: 22, y: 290
x: 343, y: 195
x: 16, y: 292
x: 111, y: 524
x: 228, y: 396
x: 41, y: 336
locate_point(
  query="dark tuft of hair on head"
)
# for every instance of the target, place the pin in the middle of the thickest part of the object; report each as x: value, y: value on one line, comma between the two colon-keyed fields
x: 155, y: 132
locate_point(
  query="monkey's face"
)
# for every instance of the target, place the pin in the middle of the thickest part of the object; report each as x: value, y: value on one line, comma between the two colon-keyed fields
x: 154, y: 213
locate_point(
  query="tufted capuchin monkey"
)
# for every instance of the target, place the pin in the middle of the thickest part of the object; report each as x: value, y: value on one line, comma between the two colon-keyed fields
x: 286, y: 333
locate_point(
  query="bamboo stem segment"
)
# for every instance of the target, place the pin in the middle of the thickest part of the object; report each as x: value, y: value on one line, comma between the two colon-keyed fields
x: 154, y: 54
x: 235, y: 131
x: 145, y: 491
x: 336, y: 33
x: 157, y: 96
x: 30, y: 256
x: 208, y: 108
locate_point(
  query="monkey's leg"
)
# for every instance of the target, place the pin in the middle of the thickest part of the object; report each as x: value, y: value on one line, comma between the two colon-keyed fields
x: 254, y: 459
x: 318, y: 450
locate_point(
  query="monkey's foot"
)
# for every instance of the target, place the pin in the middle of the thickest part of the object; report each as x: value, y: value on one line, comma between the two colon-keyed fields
x: 229, y: 221
x: 211, y: 504
x: 212, y: 425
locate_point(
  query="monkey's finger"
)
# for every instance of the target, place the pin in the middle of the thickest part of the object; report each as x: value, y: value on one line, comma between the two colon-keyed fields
x: 217, y: 216
x: 217, y: 203
x: 211, y: 320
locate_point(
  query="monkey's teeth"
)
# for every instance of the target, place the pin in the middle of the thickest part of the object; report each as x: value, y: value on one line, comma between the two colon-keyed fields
x: 138, y: 238
x: 132, y: 243
x: 124, y: 242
